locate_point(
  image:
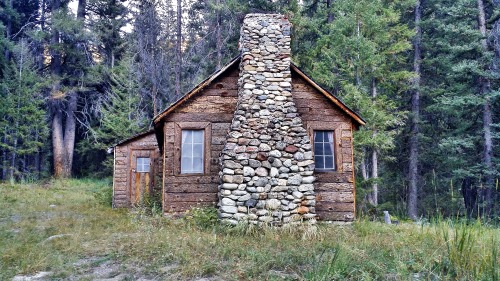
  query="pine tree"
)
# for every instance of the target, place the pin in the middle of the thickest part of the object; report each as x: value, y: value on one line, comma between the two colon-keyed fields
x: 360, y: 55
x: 23, y: 125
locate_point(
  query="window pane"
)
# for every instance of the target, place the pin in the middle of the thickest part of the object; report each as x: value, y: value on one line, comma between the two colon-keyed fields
x: 329, y: 162
x: 318, y: 136
x: 187, y: 150
x: 320, y: 164
x: 328, y: 149
x: 187, y: 136
x: 198, y: 136
x: 318, y: 149
x: 197, y: 165
x: 197, y: 150
x: 186, y: 164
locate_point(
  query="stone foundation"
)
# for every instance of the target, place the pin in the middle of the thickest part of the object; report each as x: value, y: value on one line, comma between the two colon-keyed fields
x: 267, y: 162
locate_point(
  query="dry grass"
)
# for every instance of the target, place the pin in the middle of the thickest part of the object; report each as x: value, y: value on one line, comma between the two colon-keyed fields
x: 89, y: 238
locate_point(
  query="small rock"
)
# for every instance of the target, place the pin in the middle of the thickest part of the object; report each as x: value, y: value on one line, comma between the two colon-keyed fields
x: 230, y: 186
x: 294, y: 180
x: 273, y: 204
x: 227, y: 202
x: 261, y: 172
x: 264, y: 147
x: 248, y: 171
x: 229, y: 209
x: 291, y: 149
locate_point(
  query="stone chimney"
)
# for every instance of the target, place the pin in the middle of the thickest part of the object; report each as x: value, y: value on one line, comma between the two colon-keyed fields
x: 267, y: 162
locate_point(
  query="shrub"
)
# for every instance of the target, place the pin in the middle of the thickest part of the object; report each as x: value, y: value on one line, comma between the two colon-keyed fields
x: 203, y: 218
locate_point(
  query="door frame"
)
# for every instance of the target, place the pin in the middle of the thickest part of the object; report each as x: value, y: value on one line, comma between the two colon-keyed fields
x: 132, y: 166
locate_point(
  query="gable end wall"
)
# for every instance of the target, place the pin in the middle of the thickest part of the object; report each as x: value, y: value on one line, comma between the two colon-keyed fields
x: 212, y: 110
x: 123, y: 166
x: 335, y: 191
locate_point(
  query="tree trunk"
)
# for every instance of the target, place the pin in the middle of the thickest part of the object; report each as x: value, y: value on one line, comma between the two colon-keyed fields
x: 80, y: 14
x: 69, y: 133
x: 4, y: 156
x: 13, y: 158
x: 58, y: 144
x: 415, y: 109
x: 373, y: 199
x: 219, y: 35
x: 485, y: 88
x: 37, y: 159
x: 8, y: 27
x: 178, y: 51
x: 330, y: 14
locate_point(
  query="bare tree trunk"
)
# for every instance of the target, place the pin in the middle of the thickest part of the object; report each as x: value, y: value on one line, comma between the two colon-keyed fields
x: 63, y: 129
x: 178, y: 51
x: 80, y: 14
x: 57, y: 116
x: 69, y: 133
x: 487, y: 117
x: 8, y: 27
x: 37, y: 158
x: 219, y: 35
x: 330, y: 14
x: 374, y: 193
x: 415, y: 109
x: 13, y: 158
x: 58, y: 144
x: 4, y: 156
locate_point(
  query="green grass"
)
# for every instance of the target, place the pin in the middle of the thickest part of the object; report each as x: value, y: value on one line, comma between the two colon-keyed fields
x: 91, y: 235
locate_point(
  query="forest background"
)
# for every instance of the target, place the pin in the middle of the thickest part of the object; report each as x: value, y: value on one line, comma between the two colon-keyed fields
x: 76, y: 77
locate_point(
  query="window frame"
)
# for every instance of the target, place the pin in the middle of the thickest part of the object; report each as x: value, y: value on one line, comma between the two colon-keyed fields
x: 207, y: 136
x: 192, y: 143
x: 142, y: 164
x: 336, y: 127
x: 334, y: 152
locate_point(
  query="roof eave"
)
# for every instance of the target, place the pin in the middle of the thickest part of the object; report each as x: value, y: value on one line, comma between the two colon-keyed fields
x: 355, y: 116
x: 195, y: 90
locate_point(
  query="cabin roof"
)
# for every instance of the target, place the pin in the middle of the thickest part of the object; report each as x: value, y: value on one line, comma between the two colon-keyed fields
x: 134, y: 137
x: 158, y: 125
x: 235, y: 60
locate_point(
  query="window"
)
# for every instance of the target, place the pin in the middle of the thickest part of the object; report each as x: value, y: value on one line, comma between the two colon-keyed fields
x: 192, y: 151
x: 143, y: 165
x: 324, y: 150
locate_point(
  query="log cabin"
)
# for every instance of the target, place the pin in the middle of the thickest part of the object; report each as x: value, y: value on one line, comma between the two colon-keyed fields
x: 258, y: 139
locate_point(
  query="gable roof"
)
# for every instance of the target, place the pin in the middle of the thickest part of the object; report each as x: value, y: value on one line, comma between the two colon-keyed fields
x: 351, y: 113
x: 198, y: 88
x: 354, y: 115
x: 195, y: 90
x: 134, y: 137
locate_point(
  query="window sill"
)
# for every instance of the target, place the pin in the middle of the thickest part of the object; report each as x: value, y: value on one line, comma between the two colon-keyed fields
x: 325, y: 171
x: 190, y: 174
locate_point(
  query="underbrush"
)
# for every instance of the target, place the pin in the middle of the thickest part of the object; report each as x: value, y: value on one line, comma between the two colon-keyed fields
x: 54, y: 226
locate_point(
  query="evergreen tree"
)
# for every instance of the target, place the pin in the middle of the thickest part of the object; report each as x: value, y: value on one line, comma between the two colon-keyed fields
x: 360, y: 55
x: 22, y: 127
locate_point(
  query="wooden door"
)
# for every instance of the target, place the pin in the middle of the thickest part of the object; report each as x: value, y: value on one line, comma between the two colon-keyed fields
x: 142, y: 171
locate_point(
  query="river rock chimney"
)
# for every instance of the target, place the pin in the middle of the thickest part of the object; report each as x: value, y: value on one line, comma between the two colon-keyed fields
x: 267, y: 162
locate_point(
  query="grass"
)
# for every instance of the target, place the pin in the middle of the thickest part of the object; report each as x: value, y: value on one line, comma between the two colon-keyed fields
x: 68, y: 228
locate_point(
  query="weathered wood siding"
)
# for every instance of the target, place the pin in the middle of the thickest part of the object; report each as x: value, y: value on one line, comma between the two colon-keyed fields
x: 212, y: 110
x: 123, y: 168
x: 335, y: 191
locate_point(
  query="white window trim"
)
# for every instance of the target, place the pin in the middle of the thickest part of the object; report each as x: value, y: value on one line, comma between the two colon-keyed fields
x: 202, y: 142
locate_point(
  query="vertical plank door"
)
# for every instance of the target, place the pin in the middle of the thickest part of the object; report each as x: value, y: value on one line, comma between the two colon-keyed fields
x: 141, y: 183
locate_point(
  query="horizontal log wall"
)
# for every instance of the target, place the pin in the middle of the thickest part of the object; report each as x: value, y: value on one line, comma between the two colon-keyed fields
x: 122, y: 168
x: 214, y: 105
x: 335, y: 193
